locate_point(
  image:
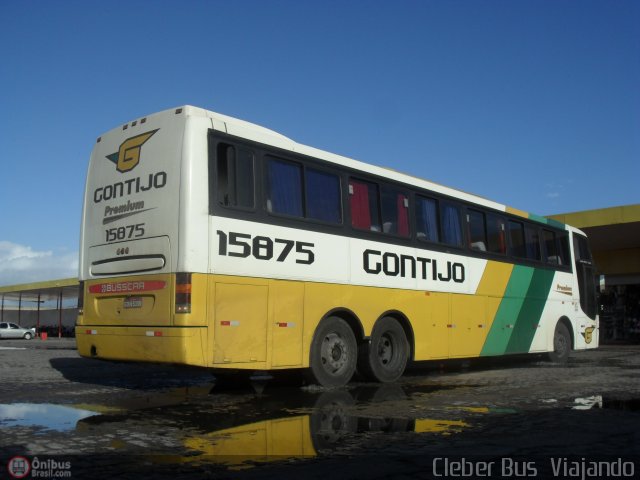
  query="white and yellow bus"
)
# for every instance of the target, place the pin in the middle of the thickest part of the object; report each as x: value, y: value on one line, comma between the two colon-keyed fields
x: 211, y: 241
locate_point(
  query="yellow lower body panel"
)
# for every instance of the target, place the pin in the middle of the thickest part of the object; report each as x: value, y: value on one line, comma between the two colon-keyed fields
x: 264, y: 324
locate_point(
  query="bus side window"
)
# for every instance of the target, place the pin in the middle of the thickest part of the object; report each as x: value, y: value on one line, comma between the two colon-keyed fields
x: 427, y: 219
x: 322, y: 193
x: 496, y: 234
x: 284, y: 187
x: 532, y: 239
x: 451, y: 225
x: 563, y: 249
x: 235, y: 176
x: 395, y: 211
x: 516, y: 239
x: 476, y: 230
x: 363, y: 201
x: 581, y: 248
x: 551, y: 254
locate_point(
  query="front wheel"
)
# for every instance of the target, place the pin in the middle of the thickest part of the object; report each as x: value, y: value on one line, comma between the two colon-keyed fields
x: 28, y: 336
x: 561, y: 344
x: 385, y: 357
x: 333, y: 353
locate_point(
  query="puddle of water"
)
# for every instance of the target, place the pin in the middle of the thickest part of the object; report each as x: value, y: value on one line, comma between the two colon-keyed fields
x: 284, y: 423
x: 44, y: 415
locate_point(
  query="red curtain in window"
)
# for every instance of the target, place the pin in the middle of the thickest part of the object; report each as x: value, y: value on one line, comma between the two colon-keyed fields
x: 403, y: 216
x: 359, y: 202
x: 503, y: 240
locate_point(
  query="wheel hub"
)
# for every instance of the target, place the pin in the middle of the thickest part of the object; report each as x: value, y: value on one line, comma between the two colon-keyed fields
x: 334, y: 353
x: 385, y: 349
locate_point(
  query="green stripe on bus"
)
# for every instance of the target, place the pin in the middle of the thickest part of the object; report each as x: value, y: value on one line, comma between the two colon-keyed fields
x: 547, y: 221
x: 519, y: 313
x: 503, y: 325
x: 556, y: 223
x: 529, y: 317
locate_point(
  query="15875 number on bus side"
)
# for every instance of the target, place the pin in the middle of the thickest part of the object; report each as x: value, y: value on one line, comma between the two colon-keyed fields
x: 243, y: 245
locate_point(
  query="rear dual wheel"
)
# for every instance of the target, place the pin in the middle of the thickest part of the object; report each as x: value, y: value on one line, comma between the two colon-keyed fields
x: 334, y: 353
x: 385, y: 357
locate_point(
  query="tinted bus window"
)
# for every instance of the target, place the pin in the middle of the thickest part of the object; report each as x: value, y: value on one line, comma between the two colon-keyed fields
x: 532, y: 240
x: 516, y: 239
x: 551, y: 254
x: 451, y: 224
x: 477, y: 233
x: 563, y: 248
x: 323, y: 196
x: 235, y: 187
x: 363, y: 201
x: 496, y: 234
x: 395, y: 211
x: 427, y: 219
x: 284, y: 187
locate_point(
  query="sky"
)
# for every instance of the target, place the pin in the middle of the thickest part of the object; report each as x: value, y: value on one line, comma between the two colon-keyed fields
x: 534, y: 104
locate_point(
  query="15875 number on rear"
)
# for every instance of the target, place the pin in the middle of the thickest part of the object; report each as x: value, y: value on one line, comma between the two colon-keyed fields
x: 125, y: 233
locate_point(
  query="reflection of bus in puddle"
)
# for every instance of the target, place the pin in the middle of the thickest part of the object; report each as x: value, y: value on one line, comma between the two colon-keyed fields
x: 331, y: 425
x: 289, y: 425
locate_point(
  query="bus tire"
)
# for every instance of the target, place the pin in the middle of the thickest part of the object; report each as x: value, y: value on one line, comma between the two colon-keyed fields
x: 385, y: 357
x: 561, y: 344
x: 333, y: 355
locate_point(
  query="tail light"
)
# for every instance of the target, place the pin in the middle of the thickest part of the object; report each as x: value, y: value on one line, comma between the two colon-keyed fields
x: 81, y: 298
x: 183, y: 293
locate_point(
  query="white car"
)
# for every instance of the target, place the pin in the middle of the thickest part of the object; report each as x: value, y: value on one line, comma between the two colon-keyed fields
x: 11, y: 330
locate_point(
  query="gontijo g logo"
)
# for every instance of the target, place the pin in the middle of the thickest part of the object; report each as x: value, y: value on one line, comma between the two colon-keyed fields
x: 128, y: 155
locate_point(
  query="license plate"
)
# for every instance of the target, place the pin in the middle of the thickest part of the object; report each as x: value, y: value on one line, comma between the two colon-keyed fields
x: 133, y: 302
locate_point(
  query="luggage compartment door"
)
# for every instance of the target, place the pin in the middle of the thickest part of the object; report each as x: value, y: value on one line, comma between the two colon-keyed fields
x: 240, y: 330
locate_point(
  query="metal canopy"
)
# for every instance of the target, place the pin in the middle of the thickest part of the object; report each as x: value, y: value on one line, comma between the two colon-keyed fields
x: 42, y: 291
x: 614, y: 235
x: 39, y: 293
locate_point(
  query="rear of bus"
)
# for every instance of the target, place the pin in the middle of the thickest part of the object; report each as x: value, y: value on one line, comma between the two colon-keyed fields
x: 135, y: 292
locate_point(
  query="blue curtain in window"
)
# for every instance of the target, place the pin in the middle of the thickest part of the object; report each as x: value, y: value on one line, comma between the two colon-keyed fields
x: 428, y: 220
x: 323, y: 196
x: 285, y: 188
x: 451, y: 230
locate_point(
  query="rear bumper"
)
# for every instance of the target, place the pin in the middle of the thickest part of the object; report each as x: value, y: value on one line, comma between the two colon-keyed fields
x: 181, y: 345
